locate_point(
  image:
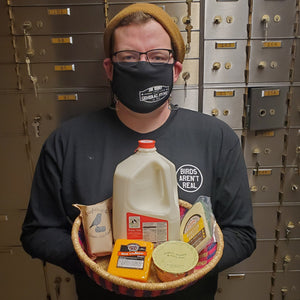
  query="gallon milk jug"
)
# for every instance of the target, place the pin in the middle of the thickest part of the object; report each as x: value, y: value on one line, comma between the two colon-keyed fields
x: 145, y: 199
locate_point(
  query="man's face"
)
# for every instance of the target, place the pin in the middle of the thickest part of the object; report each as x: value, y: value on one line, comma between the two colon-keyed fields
x: 141, y: 37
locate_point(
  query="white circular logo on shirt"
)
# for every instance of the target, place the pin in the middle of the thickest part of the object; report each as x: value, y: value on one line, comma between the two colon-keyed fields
x: 189, y: 178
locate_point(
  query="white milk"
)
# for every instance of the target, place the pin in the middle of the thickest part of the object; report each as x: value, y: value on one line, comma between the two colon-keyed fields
x: 145, y: 198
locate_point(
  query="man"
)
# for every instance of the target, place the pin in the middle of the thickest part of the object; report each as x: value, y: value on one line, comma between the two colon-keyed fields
x: 145, y: 52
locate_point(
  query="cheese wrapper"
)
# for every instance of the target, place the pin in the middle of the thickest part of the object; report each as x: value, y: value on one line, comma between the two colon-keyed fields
x: 197, y: 226
x: 131, y: 259
x: 96, y: 220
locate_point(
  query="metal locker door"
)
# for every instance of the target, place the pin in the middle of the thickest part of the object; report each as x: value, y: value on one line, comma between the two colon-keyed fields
x: 226, y: 19
x: 260, y: 261
x: 58, y: 106
x: 265, y: 228
x: 11, y: 115
x: 294, y: 107
x: 273, y: 18
x: 232, y: 285
x: 193, y: 52
x: 16, y: 171
x: 61, y: 284
x: 6, y: 50
x: 4, y: 19
x: 270, y: 61
x: 16, y: 266
x: 290, y: 221
x: 265, y: 186
x: 264, y: 148
x: 65, y: 48
x: 51, y: 2
x: 10, y: 80
x: 190, y: 73
x: 187, y: 98
x: 43, y: 20
x: 47, y: 112
x: 287, y: 255
x: 297, y: 61
x: 267, y: 107
x: 291, y: 185
x: 225, y: 104
x: 11, y: 221
x: 286, y: 286
x: 293, y: 147
x: 224, y: 61
x: 67, y: 75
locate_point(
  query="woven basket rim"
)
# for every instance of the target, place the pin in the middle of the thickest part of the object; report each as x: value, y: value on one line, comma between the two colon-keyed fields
x: 147, y: 286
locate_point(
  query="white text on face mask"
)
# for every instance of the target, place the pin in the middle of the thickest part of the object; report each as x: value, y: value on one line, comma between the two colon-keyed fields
x: 153, y: 94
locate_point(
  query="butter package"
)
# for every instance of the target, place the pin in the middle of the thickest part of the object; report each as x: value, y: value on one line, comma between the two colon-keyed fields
x: 96, y: 220
x: 197, y: 226
x: 131, y: 259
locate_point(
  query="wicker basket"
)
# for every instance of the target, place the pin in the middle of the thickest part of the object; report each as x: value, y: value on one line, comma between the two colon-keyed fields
x: 96, y: 270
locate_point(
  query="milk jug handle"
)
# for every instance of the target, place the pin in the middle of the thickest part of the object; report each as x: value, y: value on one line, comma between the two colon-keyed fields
x: 169, y: 185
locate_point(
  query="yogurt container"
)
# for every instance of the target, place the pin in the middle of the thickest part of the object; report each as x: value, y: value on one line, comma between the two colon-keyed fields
x: 174, y: 260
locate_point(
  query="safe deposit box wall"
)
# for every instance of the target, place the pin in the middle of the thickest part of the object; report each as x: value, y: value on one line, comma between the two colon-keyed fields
x: 242, y: 66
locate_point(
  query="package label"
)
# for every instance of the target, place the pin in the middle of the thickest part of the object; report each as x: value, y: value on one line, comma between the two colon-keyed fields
x: 140, y: 227
x: 131, y: 258
x: 194, y: 232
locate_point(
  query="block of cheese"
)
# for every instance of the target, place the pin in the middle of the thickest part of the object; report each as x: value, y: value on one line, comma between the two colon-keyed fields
x: 131, y: 259
x: 194, y: 228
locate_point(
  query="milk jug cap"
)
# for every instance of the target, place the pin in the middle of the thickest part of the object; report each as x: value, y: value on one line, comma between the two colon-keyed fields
x: 146, y: 144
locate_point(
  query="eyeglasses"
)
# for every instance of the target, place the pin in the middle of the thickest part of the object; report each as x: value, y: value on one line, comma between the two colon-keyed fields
x: 154, y: 56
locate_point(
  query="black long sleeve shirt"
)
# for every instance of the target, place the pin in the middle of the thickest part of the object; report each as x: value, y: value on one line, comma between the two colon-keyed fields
x: 77, y: 164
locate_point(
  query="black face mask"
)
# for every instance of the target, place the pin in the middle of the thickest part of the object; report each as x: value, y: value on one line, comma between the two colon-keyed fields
x: 142, y: 87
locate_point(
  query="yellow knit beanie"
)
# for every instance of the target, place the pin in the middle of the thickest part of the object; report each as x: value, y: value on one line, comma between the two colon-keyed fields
x: 159, y: 15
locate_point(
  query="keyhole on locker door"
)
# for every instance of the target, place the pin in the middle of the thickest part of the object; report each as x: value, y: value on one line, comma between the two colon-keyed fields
x: 229, y: 19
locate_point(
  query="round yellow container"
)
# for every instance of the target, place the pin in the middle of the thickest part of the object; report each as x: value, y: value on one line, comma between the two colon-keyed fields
x: 174, y: 260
